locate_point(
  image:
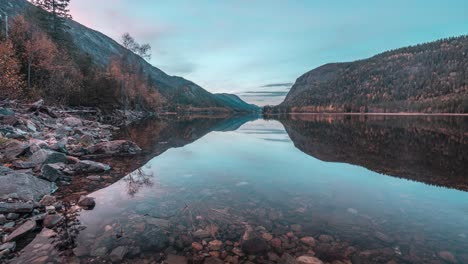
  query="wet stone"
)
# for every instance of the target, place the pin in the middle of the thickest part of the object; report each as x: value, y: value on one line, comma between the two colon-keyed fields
x: 197, y: 246
x: 118, y: 254
x: 308, y: 241
x: 287, y: 259
x: 12, y: 216
x: 213, y: 260
x: 308, y: 260
x: 174, y: 259
x: 447, y: 256
x: 215, y: 245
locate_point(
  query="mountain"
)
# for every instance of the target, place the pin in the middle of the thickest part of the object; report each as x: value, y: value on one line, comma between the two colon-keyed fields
x: 102, y: 49
x: 234, y: 102
x: 430, y: 77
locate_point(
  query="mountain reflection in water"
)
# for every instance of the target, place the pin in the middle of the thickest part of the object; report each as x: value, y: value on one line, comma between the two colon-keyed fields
x: 232, y: 179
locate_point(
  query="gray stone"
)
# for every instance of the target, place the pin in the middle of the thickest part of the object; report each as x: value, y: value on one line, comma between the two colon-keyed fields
x: 22, y: 230
x: 155, y: 240
x: 18, y: 207
x: 12, y: 149
x: 25, y: 185
x: 6, y: 111
x: 5, y: 171
x: 2, y: 219
x: 48, y: 200
x: 52, y: 172
x: 86, y: 140
x: 174, y: 259
x: 12, y: 216
x: 44, y: 156
x: 114, y: 147
x: 24, y: 164
x: 50, y: 221
x: 118, y: 254
x: 308, y: 260
x: 94, y: 178
x: 10, y: 246
x: 72, y: 122
x: 87, y: 166
x: 200, y: 233
x: 9, y: 225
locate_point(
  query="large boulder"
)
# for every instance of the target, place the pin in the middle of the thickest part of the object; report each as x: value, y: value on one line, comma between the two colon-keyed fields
x: 26, y: 186
x: 114, y: 147
x: 44, y: 156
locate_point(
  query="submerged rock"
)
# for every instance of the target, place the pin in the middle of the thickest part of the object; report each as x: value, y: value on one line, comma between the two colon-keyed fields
x: 118, y: 254
x: 287, y: 259
x: 255, y: 245
x: 309, y: 241
x: 174, y: 259
x: 308, y: 260
x: 447, y: 256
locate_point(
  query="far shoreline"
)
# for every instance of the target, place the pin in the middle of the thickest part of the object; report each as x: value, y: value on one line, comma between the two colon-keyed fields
x: 374, y: 114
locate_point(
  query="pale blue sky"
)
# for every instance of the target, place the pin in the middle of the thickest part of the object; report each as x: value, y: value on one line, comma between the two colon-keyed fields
x: 242, y: 46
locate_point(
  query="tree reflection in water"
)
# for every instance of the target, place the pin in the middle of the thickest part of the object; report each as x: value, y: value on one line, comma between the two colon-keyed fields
x: 137, y: 180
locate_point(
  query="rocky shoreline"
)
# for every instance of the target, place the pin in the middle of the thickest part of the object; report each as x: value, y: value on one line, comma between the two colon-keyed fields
x: 43, y: 149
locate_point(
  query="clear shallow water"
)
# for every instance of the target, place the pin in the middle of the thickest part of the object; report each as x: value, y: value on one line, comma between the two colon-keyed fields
x: 257, y: 179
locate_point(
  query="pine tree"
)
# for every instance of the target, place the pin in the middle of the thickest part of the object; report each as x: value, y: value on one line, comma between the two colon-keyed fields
x: 56, y: 13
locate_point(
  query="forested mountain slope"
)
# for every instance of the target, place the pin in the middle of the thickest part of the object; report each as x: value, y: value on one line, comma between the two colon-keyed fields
x: 101, y: 72
x: 430, y: 77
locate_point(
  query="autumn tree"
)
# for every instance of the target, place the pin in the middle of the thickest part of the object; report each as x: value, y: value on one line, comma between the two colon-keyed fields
x: 49, y: 71
x: 135, y: 88
x: 10, y: 78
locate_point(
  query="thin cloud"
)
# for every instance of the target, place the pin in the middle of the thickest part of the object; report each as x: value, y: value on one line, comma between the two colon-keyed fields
x: 265, y: 93
x: 277, y: 85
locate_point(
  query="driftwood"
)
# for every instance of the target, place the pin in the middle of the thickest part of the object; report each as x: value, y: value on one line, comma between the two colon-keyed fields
x: 39, y: 107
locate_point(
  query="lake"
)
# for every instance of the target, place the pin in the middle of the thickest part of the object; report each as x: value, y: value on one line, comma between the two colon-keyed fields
x: 368, y: 189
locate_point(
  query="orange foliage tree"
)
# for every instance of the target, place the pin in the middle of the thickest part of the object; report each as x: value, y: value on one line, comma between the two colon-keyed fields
x: 11, y: 81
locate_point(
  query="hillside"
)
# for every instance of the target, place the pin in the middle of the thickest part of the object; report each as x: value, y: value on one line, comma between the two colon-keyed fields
x: 234, y: 102
x: 431, y: 77
x: 100, y: 50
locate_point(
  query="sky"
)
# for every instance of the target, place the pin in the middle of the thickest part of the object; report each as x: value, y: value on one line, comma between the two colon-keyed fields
x: 258, y: 48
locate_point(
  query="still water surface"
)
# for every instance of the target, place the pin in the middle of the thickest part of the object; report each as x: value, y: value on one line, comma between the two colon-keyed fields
x: 322, y: 176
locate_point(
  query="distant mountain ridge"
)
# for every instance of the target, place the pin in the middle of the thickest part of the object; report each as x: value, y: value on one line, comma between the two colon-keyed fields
x: 102, y: 49
x: 430, y: 77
